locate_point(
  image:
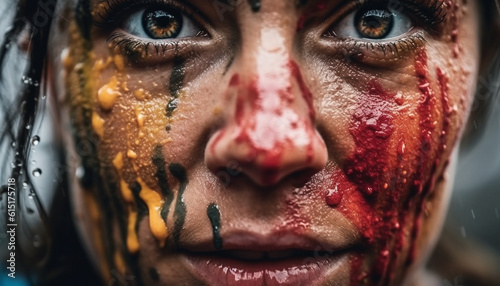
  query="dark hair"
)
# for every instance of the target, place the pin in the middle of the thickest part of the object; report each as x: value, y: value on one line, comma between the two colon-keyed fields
x: 23, y: 101
x: 48, y: 250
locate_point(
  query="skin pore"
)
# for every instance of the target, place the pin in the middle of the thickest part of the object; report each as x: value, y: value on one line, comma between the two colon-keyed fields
x: 255, y: 135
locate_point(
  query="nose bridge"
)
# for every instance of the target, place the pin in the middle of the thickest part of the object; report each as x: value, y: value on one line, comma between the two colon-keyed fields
x: 269, y: 128
x: 271, y: 104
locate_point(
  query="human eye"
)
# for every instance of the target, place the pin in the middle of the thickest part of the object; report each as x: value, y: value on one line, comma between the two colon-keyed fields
x: 150, y: 27
x: 375, y: 23
x: 389, y: 29
x: 159, y: 22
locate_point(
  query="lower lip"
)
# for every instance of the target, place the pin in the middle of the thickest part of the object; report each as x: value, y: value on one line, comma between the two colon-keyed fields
x: 224, y: 271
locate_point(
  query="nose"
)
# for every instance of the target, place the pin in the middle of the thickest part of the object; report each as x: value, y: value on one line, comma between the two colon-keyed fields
x: 269, y: 128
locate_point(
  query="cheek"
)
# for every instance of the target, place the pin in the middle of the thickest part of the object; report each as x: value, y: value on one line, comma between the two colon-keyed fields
x: 399, y: 144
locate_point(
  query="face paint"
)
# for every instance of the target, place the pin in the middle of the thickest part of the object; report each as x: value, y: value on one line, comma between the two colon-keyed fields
x: 382, y: 137
x: 161, y: 175
x: 180, y: 206
x: 371, y: 128
x: 213, y: 214
x: 175, y: 85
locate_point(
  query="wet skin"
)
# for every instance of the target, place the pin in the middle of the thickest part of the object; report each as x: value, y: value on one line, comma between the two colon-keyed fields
x: 260, y: 133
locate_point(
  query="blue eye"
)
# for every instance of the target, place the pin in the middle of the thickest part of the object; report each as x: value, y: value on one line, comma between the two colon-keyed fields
x: 374, y: 24
x: 160, y: 23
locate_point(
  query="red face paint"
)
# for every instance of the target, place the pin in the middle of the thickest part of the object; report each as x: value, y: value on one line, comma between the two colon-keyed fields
x: 371, y: 127
x: 372, y: 189
x: 269, y: 121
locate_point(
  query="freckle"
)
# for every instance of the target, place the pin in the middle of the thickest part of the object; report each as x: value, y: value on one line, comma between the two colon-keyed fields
x: 131, y: 154
x: 107, y: 94
x: 217, y: 111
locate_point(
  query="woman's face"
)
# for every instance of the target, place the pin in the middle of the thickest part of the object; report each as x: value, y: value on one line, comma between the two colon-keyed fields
x: 263, y: 142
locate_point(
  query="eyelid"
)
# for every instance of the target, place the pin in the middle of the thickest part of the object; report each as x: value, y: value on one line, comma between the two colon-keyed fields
x: 428, y: 14
x: 111, y: 12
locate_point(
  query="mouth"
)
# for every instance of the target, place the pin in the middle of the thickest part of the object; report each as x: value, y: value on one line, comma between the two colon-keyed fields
x: 270, y: 260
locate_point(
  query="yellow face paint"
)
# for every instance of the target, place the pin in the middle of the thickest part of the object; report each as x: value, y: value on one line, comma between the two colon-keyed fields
x: 132, y: 239
x: 154, y: 202
x: 108, y: 93
x: 98, y: 124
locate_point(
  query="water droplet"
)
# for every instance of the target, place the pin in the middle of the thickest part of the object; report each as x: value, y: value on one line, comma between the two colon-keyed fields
x: 37, y: 172
x: 28, y: 127
x: 13, y: 144
x: 30, y: 210
x: 35, y: 140
x: 25, y: 184
x: 29, y: 80
x: 33, y: 162
x: 80, y: 172
x: 12, y: 165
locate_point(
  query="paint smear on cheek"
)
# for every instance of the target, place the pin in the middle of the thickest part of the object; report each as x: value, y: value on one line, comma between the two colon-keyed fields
x: 368, y: 188
x: 108, y: 93
x: 132, y: 240
x: 154, y: 202
x: 98, y: 124
x: 371, y: 127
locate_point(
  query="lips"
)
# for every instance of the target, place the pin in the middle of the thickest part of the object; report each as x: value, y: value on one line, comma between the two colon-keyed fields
x: 274, y: 259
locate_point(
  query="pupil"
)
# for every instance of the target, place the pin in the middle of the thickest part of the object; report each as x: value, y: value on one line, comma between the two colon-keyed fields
x: 163, y: 20
x: 374, y: 23
x: 161, y: 23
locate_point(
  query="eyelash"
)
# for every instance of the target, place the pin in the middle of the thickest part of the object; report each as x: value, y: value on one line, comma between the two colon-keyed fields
x: 113, y: 11
x: 428, y: 13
